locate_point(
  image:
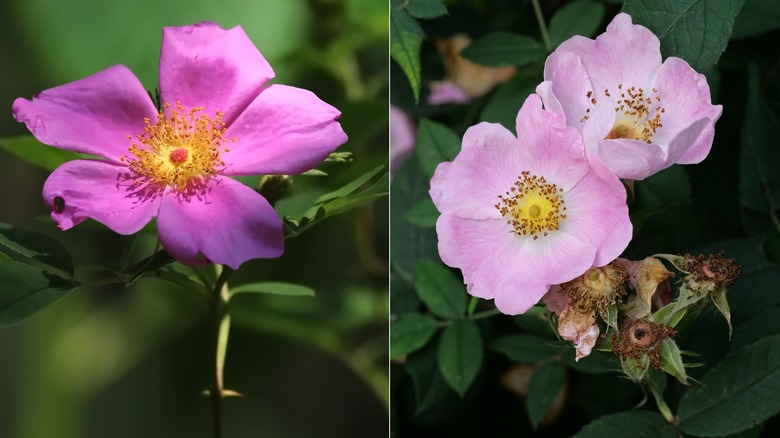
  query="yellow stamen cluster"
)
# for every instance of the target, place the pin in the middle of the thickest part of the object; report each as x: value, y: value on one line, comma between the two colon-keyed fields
x: 638, y: 113
x: 532, y: 206
x: 180, y: 150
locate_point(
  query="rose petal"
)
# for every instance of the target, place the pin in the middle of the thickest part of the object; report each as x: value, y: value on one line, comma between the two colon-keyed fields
x: 284, y: 131
x: 535, y: 265
x: 206, y: 66
x: 597, y: 213
x: 631, y: 159
x: 567, y: 82
x: 549, y: 148
x: 446, y: 92
x: 93, y: 115
x: 685, y: 97
x: 82, y: 189
x: 229, y: 224
x: 487, y: 166
x: 402, y: 138
x: 625, y: 53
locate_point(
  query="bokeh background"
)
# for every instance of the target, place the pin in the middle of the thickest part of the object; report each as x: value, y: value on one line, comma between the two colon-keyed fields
x: 132, y: 362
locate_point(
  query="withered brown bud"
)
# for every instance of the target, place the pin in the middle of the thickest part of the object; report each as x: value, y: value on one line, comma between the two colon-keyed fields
x: 638, y: 337
x: 710, y: 273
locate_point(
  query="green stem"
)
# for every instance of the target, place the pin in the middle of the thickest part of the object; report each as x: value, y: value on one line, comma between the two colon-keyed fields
x: 472, y: 306
x: 542, y: 25
x: 665, y: 411
x: 220, y: 297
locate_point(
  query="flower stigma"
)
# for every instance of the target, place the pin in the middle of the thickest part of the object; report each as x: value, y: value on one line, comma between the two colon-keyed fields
x: 638, y: 114
x: 532, y: 206
x: 181, y: 150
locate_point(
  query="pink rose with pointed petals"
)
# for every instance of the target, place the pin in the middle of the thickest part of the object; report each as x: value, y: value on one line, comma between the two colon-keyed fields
x: 637, y: 114
x: 221, y: 119
x: 519, y: 214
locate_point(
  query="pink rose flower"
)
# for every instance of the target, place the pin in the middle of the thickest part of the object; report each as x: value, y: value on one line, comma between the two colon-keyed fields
x: 637, y: 114
x: 519, y: 214
x: 221, y: 119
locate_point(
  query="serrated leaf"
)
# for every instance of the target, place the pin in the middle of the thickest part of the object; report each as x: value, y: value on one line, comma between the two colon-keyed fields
x: 405, y: 40
x: 426, y: 8
x: 276, y: 288
x: 756, y: 329
x: 736, y: 394
x: 40, y: 250
x: 423, y: 214
x: 645, y: 424
x: 430, y: 389
x: 525, y: 348
x: 460, y: 354
x: 30, y: 150
x: 410, y: 333
x: 672, y: 360
x: 722, y: 304
x: 435, y: 143
x: 694, y: 30
x: 546, y: 382
x: 439, y: 289
x: 756, y: 17
x: 581, y: 17
x: 759, y: 158
x: 500, y: 49
x: 24, y: 290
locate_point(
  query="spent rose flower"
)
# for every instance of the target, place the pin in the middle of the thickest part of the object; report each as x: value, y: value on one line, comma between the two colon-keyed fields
x: 220, y: 119
x: 637, y: 114
x: 463, y: 79
x: 519, y: 214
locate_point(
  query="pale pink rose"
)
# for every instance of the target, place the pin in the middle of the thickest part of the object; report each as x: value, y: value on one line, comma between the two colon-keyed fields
x: 637, y: 114
x: 522, y: 213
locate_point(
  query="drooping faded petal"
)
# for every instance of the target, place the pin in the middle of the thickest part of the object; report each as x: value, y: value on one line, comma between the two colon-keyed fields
x: 284, y: 131
x: 93, y: 115
x: 82, y: 189
x: 228, y: 224
x: 206, y: 66
x: 486, y: 167
x: 579, y: 328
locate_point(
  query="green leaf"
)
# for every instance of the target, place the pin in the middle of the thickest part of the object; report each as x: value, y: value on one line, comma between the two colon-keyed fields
x: 423, y: 214
x: 426, y: 8
x: 25, y: 290
x: 430, y: 389
x: 410, y: 333
x: 595, y: 363
x: 405, y: 40
x: 694, y: 30
x: 722, y: 304
x: 672, y: 360
x: 409, y: 242
x: 435, y: 143
x: 736, y: 394
x: 502, y: 48
x: 759, y: 180
x: 28, y: 149
x: 631, y: 424
x: 439, y: 289
x: 37, y: 249
x: 338, y: 205
x: 525, y: 348
x: 349, y: 187
x: 756, y: 17
x: 277, y: 288
x: 581, y: 17
x: 460, y: 354
x: 546, y: 382
x: 756, y: 329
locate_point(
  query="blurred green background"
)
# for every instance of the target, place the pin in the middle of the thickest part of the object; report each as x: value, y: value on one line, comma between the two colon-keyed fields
x: 132, y: 362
